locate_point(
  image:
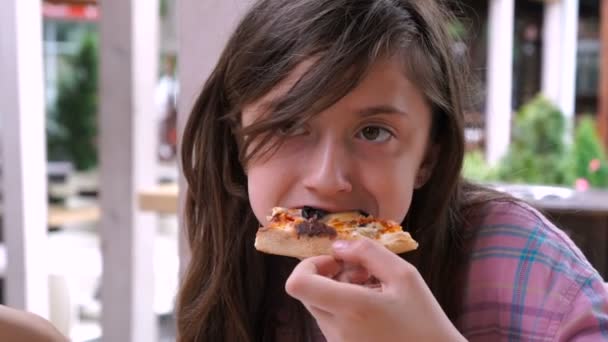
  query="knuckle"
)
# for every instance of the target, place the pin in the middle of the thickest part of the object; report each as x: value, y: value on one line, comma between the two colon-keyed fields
x: 293, y: 285
x: 406, y: 273
x: 362, y: 247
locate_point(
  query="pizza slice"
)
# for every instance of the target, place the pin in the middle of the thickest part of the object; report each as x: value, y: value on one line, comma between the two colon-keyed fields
x: 308, y: 231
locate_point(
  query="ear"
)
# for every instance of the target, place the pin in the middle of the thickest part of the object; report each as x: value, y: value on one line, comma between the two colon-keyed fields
x: 428, y: 165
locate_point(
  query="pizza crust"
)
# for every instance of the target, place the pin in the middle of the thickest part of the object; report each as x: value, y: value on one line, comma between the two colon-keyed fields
x: 399, y: 242
x: 285, y: 242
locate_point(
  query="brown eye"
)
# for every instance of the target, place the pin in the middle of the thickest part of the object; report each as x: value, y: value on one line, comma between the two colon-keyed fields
x: 374, y: 134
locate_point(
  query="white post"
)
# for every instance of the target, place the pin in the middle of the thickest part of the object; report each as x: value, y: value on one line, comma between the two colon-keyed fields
x: 499, y: 79
x: 567, y: 99
x: 23, y: 155
x: 560, y: 36
x: 204, y: 27
x: 129, y: 60
x: 552, y: 38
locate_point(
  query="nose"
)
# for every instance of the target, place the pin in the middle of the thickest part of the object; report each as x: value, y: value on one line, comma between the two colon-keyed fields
x: 328, y: 170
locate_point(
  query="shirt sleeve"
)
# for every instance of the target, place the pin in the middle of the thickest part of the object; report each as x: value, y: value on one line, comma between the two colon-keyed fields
x: 527, y: 281
x: 588, y: 318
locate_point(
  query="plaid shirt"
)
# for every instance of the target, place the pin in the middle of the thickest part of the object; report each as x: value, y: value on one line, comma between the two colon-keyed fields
x: 527, y: 281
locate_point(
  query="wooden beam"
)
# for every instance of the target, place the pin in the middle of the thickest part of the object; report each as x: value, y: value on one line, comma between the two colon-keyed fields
x: 129, y: 53
x: 602, y: 115
x: 23, y: 155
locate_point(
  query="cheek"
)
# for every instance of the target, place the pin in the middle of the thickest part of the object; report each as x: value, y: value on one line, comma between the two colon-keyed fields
x: 258, y: 198
x: 392, y: 186
x: 267, y: 182
x: 390, y: 175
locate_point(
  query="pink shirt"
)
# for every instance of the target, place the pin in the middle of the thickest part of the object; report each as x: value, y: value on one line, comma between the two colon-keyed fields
x: 527, y: 281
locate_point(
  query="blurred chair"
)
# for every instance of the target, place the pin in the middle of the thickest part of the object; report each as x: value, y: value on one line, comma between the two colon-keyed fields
x: 20, y: 326
x: 474, y: 130
x: 63, y: 311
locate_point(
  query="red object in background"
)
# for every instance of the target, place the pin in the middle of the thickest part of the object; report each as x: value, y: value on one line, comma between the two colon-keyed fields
x: 70, y: 11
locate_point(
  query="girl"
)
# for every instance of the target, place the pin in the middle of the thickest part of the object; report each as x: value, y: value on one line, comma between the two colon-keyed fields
x: 357, y: 105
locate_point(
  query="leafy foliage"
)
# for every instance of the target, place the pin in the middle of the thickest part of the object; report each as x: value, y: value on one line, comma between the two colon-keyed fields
x: 588, y: 156
x: 476, y: 168
x: 537, y: 150
x: 538, y: 154
x: 72, y: 130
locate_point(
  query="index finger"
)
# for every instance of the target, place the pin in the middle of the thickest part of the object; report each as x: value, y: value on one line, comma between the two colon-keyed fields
x: 323, y: 265
x: 311, y: 282
x: 385, y: 265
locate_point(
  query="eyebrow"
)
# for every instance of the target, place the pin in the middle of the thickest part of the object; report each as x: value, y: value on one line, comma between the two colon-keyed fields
x: 382, y: 109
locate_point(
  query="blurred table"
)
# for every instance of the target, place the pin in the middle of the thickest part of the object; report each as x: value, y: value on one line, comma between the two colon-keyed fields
x: 161, y: 199
x: 61, y: 216
x: 583, y: 215
x: 560, y: 199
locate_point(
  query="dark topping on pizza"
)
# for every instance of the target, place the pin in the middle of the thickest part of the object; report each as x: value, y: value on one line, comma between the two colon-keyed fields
x: 363, y: 213
x: 311, y: 213
x: 315, y: 228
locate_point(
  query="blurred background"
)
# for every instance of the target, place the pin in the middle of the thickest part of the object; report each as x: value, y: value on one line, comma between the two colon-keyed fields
x: 96, y: 92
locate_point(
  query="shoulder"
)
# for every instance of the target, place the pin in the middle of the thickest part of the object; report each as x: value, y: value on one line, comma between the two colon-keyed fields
x: 523, y: 274
x: 16, y: 325
x: 517, y: 234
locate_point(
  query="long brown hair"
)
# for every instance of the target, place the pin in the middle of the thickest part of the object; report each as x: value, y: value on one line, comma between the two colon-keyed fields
x: 230, y: 292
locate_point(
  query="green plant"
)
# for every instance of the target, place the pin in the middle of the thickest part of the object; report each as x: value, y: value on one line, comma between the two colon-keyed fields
x: 163, y: 8
x: 72, y: 128
x: 588, y: 157
x: 457, y: 30
x: 476, y: 168
x: 537, y: 150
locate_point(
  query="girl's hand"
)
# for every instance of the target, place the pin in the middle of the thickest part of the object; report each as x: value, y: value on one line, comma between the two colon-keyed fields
x: 400, y: 308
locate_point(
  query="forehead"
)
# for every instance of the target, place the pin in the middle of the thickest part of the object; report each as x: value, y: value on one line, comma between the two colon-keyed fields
x: 253, y: 110
x: 385, y: 82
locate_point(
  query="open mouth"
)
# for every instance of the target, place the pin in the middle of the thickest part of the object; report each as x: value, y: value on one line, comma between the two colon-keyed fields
x: 309, y: 212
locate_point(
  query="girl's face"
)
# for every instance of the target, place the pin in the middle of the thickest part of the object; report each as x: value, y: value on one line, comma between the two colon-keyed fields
x: 368, y: 151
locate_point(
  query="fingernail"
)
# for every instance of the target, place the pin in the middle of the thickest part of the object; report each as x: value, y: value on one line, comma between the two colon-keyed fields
x: 341, y: 244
